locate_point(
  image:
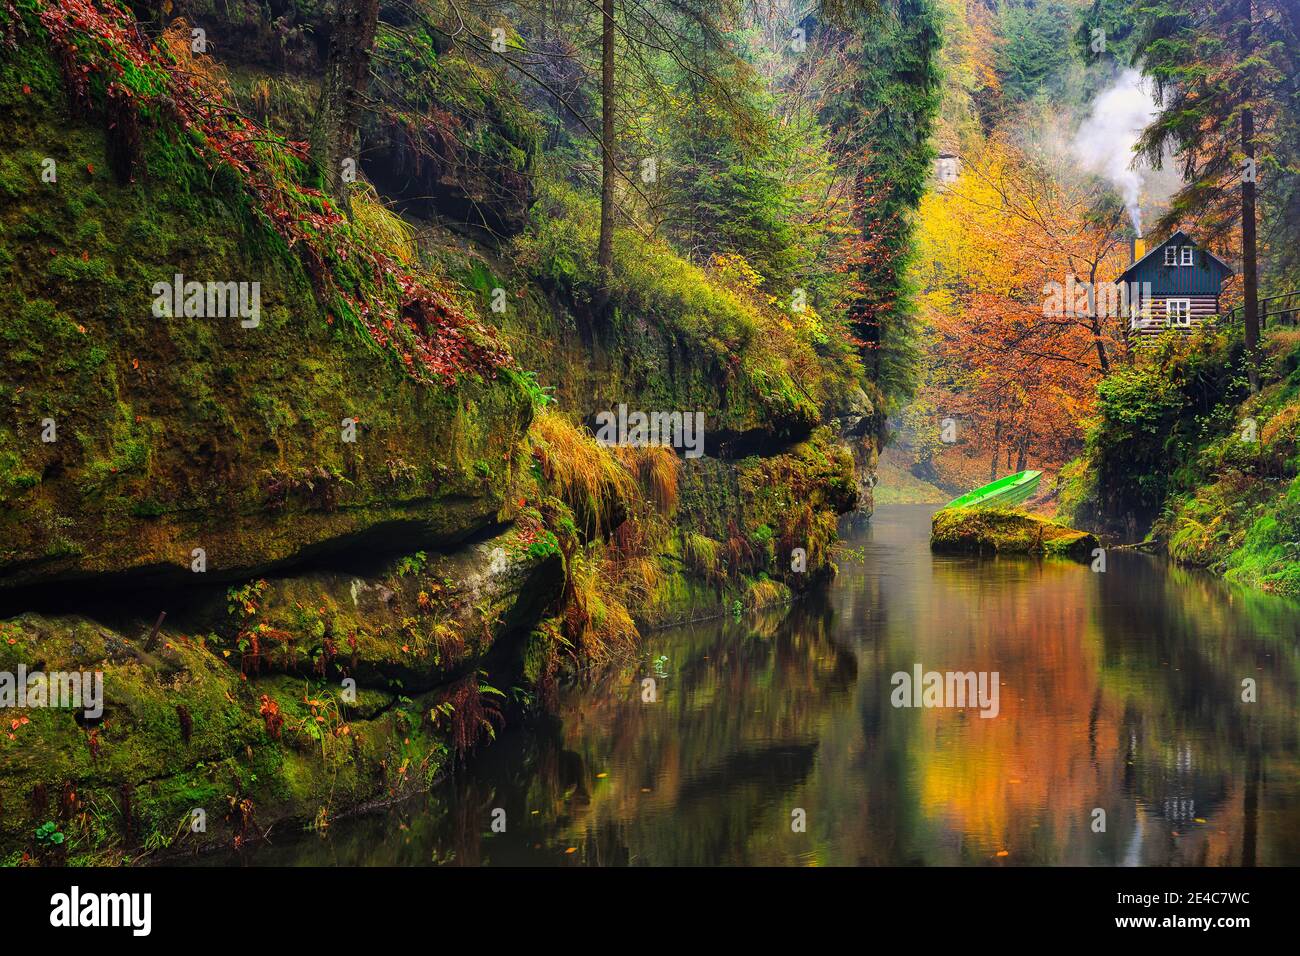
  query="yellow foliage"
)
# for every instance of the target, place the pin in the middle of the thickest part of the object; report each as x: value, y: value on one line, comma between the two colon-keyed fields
x: 590, y: 479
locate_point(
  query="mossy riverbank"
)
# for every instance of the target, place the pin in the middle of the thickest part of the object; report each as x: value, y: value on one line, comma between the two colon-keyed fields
x: 1181, y: 454
x: 377, y: 537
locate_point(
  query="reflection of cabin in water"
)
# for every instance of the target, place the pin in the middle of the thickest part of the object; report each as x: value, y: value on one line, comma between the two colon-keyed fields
x: 1178, y: 282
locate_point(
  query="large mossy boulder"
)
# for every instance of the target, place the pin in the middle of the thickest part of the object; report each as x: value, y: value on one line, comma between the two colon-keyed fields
x: 128, y: 441
x: 1004, y: 531
x: 420, y: 623
x: 301, y: 700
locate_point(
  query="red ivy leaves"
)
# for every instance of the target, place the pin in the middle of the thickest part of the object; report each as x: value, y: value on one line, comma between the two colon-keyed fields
x: 438, y: 341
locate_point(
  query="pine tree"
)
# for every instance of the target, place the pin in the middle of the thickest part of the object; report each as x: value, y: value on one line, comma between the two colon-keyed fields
x: 883, y: 115
x: 1220, y: 85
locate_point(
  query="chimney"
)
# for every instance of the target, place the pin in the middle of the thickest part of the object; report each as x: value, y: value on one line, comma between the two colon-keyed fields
x: 1137, y: 249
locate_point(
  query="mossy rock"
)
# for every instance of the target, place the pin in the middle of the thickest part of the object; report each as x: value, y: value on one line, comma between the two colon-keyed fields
x: 1003, y: 531
x: 127, y: 441
x: 420, y: 623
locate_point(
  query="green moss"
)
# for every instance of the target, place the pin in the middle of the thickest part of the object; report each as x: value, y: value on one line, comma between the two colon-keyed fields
x: 1003, y: 531
x: 1181, y: 445
x: 196, y: 416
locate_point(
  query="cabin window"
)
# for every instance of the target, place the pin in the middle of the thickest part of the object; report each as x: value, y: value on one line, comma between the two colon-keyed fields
x: 1189, y: 253
x: 1171, y: 255
x: 1178, y: 311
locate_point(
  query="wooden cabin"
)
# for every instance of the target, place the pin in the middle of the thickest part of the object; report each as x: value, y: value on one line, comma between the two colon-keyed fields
x: 1179, y: 282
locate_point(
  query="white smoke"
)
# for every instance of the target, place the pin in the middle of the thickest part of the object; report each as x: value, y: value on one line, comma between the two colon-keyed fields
x: 1105, y: 140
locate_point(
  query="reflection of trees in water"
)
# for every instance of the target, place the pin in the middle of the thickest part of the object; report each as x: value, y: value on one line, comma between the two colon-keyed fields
x: 1176, y: 647
x: 705, y: 774
x: 949, y: 786
x: 1089, y: 664
x: 1121, y: 691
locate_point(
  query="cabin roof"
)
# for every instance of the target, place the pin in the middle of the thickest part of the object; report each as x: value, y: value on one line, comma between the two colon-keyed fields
x: 1176, y: 234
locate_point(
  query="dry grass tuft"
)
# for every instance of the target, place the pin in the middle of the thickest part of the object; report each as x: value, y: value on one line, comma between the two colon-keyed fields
x: 700, y: 553
x: 591, y: 481
x: 384, y: 229
x: 597, y: 622
x: 765, y: 592
x: 658, y: 469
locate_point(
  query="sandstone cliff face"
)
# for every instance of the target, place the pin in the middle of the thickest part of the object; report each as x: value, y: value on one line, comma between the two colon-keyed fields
x: 132, y: 439
x: 365, y: 571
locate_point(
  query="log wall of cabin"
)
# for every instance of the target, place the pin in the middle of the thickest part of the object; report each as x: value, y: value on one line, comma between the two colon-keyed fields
x: 1154, y: 321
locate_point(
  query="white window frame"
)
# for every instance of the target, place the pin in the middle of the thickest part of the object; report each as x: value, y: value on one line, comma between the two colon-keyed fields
x: 1171, y: 255
x: 1188, y: 257
x: 1178, y: 317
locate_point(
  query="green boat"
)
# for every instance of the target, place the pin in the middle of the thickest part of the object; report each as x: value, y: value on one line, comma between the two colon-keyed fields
x: 1002, y: 493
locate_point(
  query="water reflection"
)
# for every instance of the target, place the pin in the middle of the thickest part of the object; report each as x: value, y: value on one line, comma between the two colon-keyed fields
x: 1119, y: 691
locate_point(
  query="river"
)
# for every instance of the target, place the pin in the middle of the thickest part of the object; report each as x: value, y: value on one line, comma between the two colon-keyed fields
x: 1121, y: 736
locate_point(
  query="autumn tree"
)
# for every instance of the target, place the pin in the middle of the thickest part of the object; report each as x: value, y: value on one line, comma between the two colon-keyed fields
x: 1016, y: 229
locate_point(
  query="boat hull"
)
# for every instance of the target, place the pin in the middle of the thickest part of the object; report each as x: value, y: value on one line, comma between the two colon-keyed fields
x: 1004, y: 493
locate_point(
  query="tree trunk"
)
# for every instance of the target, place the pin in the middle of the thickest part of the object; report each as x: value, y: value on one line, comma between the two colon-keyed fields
x: 605, y: 250
x: 337, y: 122
x: 997, y: 449
x: 1103, y: 363
x: 1249, y: 252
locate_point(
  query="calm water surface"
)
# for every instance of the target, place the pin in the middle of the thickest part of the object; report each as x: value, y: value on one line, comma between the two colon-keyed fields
x: 1119, y: 691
